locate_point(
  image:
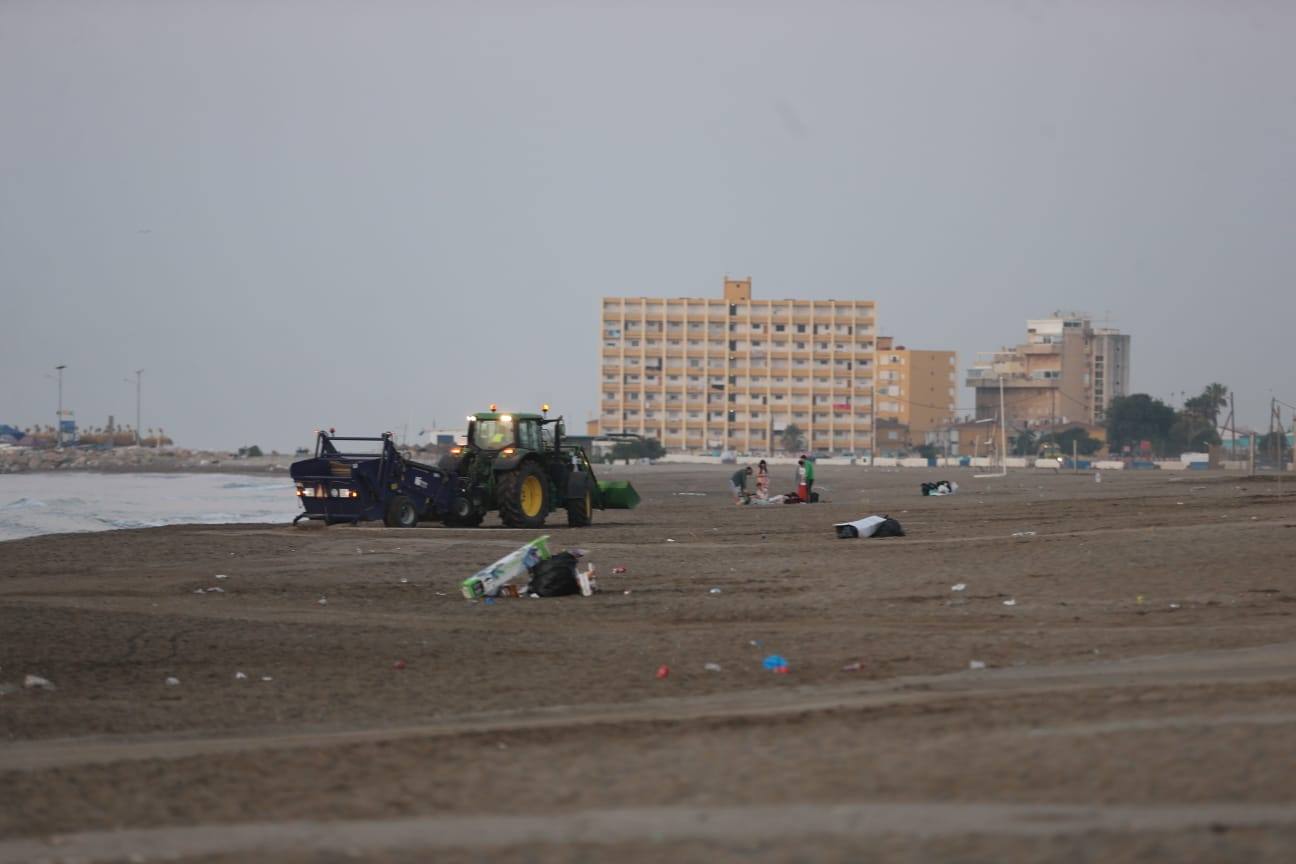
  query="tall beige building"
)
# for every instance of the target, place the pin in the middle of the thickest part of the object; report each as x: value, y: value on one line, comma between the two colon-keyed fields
x: 1066, y: 371
x: 733, y: 373
x: 915, y: 388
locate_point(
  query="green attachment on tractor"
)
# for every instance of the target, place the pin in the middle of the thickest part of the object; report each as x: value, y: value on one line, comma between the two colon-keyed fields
x: 618, y: 494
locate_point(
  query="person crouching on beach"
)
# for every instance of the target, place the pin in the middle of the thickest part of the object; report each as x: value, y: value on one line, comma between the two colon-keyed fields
x: 738, y: 483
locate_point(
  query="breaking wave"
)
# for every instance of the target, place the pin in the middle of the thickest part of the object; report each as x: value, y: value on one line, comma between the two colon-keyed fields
x: 23, y: 504
x: 77, y: 502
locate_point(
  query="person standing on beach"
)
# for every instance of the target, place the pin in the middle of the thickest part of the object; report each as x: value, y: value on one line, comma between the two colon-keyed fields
x: 762, y: 480
x: 805, y: 477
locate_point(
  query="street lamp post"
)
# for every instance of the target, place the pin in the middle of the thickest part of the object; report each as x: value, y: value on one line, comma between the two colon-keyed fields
x: 59, y: 426
x: 139, y: 442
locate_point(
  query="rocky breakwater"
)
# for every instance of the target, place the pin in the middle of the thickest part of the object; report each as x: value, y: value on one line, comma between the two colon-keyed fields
x: 15, y: 460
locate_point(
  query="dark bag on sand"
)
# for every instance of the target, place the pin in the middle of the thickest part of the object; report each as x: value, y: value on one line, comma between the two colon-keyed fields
x: 554, y: 577
x: 889, y: 528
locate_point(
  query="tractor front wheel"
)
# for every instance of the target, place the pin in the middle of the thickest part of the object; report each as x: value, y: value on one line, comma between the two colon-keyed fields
x: 523, y: 496
x: 400, y: 513
x: 462, y: 514
x: 580, y: 511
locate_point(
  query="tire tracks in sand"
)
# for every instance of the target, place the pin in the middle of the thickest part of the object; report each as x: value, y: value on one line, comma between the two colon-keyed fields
x: 1269, y: 662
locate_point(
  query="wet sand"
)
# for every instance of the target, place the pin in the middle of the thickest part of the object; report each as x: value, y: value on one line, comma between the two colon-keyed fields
x: 1138, y: 701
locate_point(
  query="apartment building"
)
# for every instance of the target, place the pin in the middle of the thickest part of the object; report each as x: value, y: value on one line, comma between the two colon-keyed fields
x: 732, y: 373
x: 915, y: 388
x: 1066, y: 371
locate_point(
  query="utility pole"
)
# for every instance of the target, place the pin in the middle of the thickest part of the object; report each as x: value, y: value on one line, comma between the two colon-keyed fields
x: 60, y: 369
x: 1273, y: 439
x: 1232, y: 429
x: 873, y: 416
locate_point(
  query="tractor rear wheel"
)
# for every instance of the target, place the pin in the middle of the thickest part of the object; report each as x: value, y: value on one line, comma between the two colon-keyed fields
x: 400, y: 513
x: 523, y: 496
x: 580, y: 511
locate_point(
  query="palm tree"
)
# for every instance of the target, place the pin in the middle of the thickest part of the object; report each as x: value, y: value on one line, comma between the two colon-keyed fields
x: 1207, y: 405
x: 1216, y: 398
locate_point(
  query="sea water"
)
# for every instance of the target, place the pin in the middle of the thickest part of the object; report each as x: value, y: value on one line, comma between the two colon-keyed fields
x: 48, y: 503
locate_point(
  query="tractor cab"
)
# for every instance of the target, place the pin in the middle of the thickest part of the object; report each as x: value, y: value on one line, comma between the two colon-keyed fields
x: 494, y: 432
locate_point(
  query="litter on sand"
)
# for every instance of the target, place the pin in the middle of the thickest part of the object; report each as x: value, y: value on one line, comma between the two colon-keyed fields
x: 976, y: 664
x: 711, y: 667
x: 940, y: 487
x: 1023, y: 534
x: 663, y: 671
x: 961, y: 586
x: 1010, y: 602
x: 513, y: 567
x: 173, y: 682
x: 240, y: 676
x: 869, y: 526
x: 775, y: 662
x: 37, y: 682
x: 853, y: 667
x: 714, y: 591
x: 557, y: 576
x: 585, y: 579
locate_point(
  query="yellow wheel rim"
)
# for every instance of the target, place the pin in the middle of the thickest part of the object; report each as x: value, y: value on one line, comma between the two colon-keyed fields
x: 589, y: 504
x: 532, y: 496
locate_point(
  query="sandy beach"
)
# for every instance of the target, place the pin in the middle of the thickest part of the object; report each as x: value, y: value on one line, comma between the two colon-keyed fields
x: 1137, y: 701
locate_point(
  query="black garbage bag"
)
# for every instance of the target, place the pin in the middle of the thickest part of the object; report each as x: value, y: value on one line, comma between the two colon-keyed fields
x: 554, y: 577
x: 889, y: 528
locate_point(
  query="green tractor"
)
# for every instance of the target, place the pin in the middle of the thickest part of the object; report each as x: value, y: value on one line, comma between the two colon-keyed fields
x: 519, y: 465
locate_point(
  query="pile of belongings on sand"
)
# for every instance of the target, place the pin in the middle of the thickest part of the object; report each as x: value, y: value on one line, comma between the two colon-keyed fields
x: 940, y: 487
x: 869, y: 526
x: 785, y: 498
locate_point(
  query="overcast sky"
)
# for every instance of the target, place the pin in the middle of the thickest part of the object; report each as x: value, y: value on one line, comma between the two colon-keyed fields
x: 375, y: 213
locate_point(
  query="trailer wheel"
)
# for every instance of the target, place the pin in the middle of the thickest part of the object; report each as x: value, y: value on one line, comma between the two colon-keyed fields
x: 523, y: 496
x: 580, y: 511
x: 400, y: 513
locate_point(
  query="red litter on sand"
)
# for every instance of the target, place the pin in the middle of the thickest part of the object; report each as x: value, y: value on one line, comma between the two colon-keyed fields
x: 399, y: 664
x: 617, y: 571
x: 663, y: 671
